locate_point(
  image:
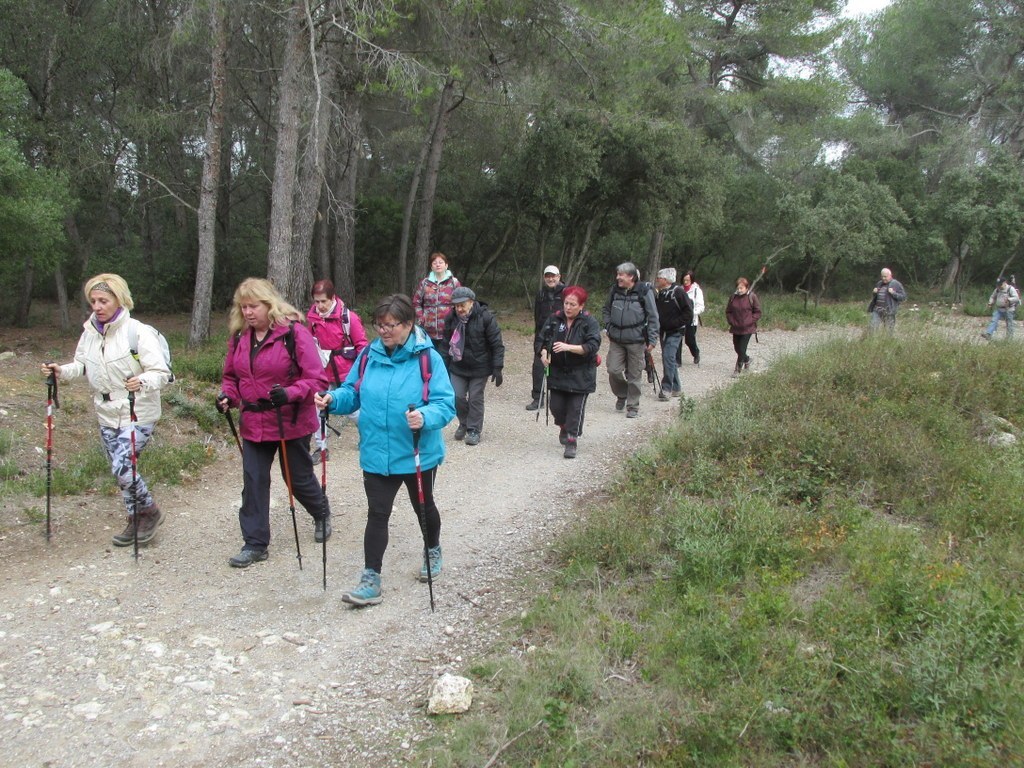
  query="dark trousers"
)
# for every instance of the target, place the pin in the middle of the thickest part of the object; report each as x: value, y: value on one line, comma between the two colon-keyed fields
x: 739, y: 344
x: 380, y: 497
x: 568, y: 410
x: 469, y: 400
x: 690, y: 339
x: 257, y: 459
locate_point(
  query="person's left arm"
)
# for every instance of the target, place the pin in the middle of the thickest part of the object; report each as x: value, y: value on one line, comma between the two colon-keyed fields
x: 755, y: 307
x: 899, y: 293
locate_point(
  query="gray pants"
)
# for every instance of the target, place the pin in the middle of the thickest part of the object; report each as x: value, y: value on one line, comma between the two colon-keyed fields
x: 117, y: 442
x: 626, y: 371
x: 469, y: 400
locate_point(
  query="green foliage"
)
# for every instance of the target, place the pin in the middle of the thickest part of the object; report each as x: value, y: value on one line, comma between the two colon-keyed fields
x: 821, y: 560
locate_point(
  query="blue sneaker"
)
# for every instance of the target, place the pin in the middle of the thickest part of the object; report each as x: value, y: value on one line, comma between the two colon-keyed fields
x: 435, y: 564
x: 368, y: 591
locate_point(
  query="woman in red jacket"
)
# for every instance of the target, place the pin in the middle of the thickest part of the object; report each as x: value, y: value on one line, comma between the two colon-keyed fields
x: 433, y: 301
x: 337, y: 329
x: 271, y: 372
x: 743, y: 311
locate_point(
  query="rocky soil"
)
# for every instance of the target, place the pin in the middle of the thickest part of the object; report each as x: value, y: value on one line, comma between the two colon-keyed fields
x: 179, y: 660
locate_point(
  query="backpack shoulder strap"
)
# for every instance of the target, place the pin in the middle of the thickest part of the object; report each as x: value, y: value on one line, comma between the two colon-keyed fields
x: 425, y: 373
x: 289, y: 344
x: 346, y: 325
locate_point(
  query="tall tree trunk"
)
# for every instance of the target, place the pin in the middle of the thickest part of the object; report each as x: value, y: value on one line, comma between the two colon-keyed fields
x: 345, y: 194
x: 654, y: 252
x: 199, y: 328
x: 954, y: 266
x: 404, y: 272
x: 62, y: 298
x: 433, y: 170
x: 283, y: 269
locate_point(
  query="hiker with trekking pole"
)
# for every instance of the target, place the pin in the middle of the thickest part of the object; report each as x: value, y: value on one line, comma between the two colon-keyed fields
x: 399, y: 368
x: 571, y: 340
x: 119, y: 356
x: 271, y: 374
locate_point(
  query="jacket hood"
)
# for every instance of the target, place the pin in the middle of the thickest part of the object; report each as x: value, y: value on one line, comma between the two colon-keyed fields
x: 417, y: 341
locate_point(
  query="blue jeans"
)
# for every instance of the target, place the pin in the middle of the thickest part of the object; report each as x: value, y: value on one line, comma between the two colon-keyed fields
x: 670, y: 344
x: 1001, y: 314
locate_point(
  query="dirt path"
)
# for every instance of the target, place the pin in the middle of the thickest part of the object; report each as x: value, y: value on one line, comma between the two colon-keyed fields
x: 180, y: 660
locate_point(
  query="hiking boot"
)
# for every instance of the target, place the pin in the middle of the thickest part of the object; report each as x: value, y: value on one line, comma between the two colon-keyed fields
x: 986, y: 335
x: 620, y: 403
x: 322, y: 529
x: 460, y: 432
x: 570, y: 449
x: 736, y: 370
x: 746, y: 364
x: 472, y: 437
x: 247, y: 557
x: 368, y: 591
x: 677, y: 393
x: 534, y: 404
x: 696, y: 359
x: 632, y: 413
x: 663, y: 397
x: 435, y: 564
x: 315, y: 456
x: 563, y: 436
x: 149, y: 519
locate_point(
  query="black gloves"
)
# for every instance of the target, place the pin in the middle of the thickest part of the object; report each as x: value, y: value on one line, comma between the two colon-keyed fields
x: 278, y: 395
x: 223, y: 403
x: 496, y: 377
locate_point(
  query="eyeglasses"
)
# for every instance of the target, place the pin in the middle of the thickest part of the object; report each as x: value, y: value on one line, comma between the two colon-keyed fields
x: 386, y: 327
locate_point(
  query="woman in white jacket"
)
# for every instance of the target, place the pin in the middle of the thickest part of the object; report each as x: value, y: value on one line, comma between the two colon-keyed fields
x: 104, y: 355
x: 697, y: 297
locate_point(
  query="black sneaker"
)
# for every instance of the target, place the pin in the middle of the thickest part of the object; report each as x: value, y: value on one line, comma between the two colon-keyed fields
x: 247, y: 557
x: 472, y: 437
x: 322, y: 529
x: 570, y: 450
x: 460, y: 432
x: 620, y: 403
x: 534, y: 404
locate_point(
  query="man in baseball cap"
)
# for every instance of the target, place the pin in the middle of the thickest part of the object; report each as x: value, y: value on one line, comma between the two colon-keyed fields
x: 548, y: 301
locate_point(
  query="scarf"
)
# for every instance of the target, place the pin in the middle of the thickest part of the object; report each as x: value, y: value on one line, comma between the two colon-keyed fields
x: 102, y: 327
x: 457, y: 345
x: 327, y: 314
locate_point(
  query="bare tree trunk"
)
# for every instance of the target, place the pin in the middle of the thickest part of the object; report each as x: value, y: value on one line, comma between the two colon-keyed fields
x: 954, y: 267
x: 62, y: 298
x: 25, y: 297
x: 404, y: 273
x: 345, y: 207
x: 287, y: 274
x: 433, y: 170
x: 199, y: 328
x: 657, y: 247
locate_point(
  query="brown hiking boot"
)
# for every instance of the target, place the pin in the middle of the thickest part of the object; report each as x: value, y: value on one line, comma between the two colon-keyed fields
x: 149, y: 519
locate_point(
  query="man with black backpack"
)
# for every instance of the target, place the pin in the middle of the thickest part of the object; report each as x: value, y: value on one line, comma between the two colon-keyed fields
x: 630, y: 318
x: 548, y: 301
x: 675, y: 313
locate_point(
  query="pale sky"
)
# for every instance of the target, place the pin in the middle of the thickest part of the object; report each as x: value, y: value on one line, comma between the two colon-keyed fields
x: 860, y: 7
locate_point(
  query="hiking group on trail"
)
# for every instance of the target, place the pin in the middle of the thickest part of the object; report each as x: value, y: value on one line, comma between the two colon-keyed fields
x: 430, y: 363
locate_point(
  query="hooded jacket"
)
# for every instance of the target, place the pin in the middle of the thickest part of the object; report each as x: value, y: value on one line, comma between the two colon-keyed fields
x: 570, y: 372
x: 329, y: 333
x: 742, y: 312
x: 105, y: 359
x: 433, y: 303
x: 250, y: 372
x: 484, y: 352
x: 631, y: 316
x: 390, y: 383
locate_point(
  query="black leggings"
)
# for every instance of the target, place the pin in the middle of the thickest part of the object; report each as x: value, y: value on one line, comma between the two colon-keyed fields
x: 380, y: 496
x: 739, y: 343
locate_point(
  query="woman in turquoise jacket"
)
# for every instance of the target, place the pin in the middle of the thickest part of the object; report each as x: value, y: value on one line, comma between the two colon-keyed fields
x: 398, y: 370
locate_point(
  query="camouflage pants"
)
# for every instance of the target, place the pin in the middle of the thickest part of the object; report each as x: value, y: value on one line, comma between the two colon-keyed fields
x: 118, y: 444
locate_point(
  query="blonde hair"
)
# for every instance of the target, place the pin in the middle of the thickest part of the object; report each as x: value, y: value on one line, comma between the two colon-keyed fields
x: 113, y: 284
x: 263, y: 291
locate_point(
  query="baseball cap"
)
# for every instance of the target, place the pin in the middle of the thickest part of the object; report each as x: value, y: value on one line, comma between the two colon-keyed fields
x: 551, y: 269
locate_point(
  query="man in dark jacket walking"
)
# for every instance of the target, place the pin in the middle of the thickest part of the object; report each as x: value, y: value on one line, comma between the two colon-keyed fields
x: 675, y: 313
x: 548, y: 301
x: 475, y: 352
x: 630, y: 317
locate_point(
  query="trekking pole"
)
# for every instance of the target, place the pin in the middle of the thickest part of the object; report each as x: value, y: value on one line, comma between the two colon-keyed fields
x: 135, y: 478
x: 51, y: 403
x: 421, y: 510
x: 323, y: 482
x: 234, y: 431
x: 288, y: 482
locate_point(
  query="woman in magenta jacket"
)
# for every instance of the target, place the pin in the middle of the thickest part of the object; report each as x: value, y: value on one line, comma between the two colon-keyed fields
x: 271, y: 373
x: 337, y: 329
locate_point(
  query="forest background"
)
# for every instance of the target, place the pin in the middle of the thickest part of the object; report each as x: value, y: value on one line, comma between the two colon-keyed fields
x: 188, y: 144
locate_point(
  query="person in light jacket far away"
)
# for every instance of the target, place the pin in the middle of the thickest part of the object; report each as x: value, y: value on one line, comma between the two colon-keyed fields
x: 105, y: 357
x: 399, y: 369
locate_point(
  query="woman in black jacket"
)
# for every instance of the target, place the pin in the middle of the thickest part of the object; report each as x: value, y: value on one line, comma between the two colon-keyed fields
x: 475, y: 352
x: 572, y: 338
